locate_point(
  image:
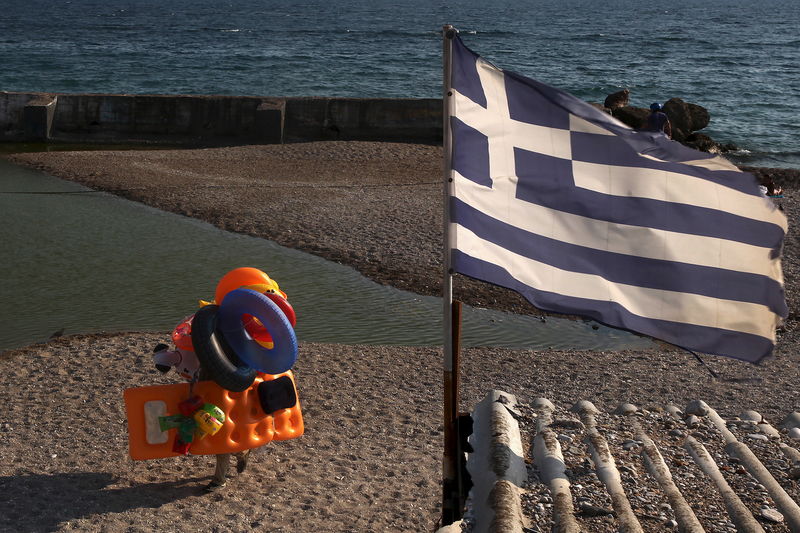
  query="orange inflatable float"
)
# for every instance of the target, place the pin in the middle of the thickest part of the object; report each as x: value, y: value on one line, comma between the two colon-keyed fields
x: 247, y: 278
x: 247, y: 425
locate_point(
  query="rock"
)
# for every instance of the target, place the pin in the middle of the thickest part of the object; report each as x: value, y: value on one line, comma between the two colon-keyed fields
x: 600, y: 107
x: 794, y: 433
x: 632, y: 116
x: 567, y: 423
x: 584, y: 406
x: 692, y: 421
x: 630, y: 445
x: 564, y: 438
x: 768, y: 430
x: 625, y: 409
x: 702, y: 142
x: 543, y: 403
x: 672, y: 524
x: 746, y: 425
x: 617, y: 99
x: 700, y: 116
x: 509, y: 403
x: 792, y: 420
x: 752, y: 416
x: 697, y: 407
x: 772, y: 515
x: 757, y: 436
x: 727, y: 147
x: 674, y: 410
x: 685, y: 118
x: 587, y: 509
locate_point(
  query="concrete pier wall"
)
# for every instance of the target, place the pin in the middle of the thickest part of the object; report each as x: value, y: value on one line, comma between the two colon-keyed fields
x: 213, y: 120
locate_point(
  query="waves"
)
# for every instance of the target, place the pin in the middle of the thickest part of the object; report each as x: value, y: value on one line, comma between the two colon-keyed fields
x: 777, y: 159
x: 740, y: 66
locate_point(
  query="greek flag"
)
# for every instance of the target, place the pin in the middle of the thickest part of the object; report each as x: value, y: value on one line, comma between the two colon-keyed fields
x: 585, y: 216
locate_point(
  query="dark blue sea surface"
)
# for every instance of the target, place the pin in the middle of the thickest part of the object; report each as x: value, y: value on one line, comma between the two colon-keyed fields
x: 737, y: 58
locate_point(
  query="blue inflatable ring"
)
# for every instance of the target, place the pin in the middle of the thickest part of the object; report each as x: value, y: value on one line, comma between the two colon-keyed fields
x: 248, y: 302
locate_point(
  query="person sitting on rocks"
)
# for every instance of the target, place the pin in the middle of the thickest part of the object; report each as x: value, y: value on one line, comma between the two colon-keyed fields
x: 657, y: 120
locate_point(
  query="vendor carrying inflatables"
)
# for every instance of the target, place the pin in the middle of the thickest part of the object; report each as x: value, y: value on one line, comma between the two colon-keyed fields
x: 236, y: 354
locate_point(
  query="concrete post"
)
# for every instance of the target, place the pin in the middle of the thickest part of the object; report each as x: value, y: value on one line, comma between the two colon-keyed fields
x: 38, y: 117
x: 269, y: 121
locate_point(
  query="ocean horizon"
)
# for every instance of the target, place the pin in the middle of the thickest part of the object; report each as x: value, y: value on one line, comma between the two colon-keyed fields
x: 737, y: 59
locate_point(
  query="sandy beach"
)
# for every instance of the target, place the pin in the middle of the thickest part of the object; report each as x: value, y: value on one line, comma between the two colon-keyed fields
x: 370, y: 457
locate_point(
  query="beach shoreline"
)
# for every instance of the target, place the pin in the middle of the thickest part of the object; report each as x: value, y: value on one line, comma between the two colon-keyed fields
x: 374, y: 206
x: 370, y: 458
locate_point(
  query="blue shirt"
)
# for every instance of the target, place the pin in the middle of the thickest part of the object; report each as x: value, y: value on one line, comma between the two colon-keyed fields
x: 656, y: 121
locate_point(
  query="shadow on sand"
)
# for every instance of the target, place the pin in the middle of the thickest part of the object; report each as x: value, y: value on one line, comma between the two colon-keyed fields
x: 41, y: 502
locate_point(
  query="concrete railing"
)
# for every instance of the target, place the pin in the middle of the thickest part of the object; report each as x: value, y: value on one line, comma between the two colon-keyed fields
x: 214, y: 120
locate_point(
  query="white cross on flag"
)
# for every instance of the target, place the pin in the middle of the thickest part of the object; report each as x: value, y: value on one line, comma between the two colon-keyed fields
x: 585, y: 216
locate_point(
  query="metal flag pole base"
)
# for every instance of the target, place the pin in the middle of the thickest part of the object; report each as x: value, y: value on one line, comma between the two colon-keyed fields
x: 455, y: 479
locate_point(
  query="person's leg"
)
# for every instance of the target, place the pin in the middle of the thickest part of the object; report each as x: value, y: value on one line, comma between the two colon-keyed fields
x: 220, y: 473
x: 241, y: 460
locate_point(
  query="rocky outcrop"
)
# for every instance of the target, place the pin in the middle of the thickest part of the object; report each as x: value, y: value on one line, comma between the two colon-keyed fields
x: 686, y: 119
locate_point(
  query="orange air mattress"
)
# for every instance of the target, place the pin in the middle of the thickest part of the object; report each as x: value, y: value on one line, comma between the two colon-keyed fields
x: 246, y: 426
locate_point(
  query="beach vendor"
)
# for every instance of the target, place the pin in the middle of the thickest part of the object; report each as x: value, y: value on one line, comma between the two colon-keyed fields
x: 269, y: 342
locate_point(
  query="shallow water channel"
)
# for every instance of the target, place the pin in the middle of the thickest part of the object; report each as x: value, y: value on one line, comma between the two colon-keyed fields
x: 86, y: 262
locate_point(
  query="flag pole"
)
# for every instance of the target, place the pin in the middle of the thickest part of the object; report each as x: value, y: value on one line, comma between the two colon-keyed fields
x: 450, y: 490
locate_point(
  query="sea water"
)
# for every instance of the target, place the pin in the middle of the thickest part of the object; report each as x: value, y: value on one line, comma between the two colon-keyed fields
x: 79, y: 261
x: 737, y: 58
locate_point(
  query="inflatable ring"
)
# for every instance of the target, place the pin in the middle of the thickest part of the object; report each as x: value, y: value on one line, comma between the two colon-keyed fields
x: 181, y: 335
x: 256, y: 330
x: 284, y: 305
x: 215, y: 355
x: 242, y: 302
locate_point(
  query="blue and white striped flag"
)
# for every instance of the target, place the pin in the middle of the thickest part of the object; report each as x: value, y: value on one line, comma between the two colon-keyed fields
x: 585, y: 216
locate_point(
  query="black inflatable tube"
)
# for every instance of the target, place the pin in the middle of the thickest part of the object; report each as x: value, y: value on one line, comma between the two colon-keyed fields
x: 215, y: 357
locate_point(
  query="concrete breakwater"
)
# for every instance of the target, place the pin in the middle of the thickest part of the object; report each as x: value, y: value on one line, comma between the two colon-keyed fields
x: 214, y: 120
